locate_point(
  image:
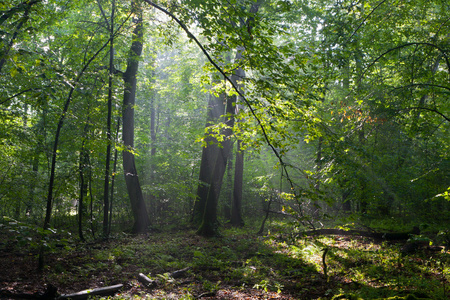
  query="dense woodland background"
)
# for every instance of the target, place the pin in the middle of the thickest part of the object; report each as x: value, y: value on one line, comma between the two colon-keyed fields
x: 142, y: 116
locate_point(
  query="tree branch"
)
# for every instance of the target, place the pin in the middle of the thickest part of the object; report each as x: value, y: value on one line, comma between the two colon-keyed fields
x: 22, y: 92
x: 403, y: 46
x: 420, y: 85
x: 432, y: 110
x: 104, y: 15
x: 365, y: 19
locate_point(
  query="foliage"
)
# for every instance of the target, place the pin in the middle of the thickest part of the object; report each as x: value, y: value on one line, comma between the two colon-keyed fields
x: 21, y: 235
x: 343, y: 115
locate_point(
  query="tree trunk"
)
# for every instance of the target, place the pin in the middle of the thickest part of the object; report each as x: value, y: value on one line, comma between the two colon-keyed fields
x: 83, y: 167
x: 32, y: 187
x: 152, y: 129
x: 209, y: 154
x: 236, y: 207
x: 108, y: 123
x: 113, y: 176
x: 229, y: 188
x: 209, y: 225
x: 153, y: 132
x: 141, y: 219
x: 346, y: 203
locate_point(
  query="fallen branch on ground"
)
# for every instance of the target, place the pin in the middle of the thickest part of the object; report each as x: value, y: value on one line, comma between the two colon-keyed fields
x: 51, y: 293
x: 152, y: 283
x: 147, y: 281
x: 389, y: 236
x: 104, y: 291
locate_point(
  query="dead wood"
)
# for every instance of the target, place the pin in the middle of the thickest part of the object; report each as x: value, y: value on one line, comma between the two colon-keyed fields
x: 152, y: 283
x: 147, y: 281
x: 51, y: 293
x: 104, y: 291
x: 389, y: 236
x: 179, y: 273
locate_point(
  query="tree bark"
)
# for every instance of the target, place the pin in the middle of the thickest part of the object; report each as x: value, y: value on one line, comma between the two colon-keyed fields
x: 209, y: 225
x: 209, y: 153
x: 86, y: 294
x: 229, y: 188
x: 389, y: 236
x: 141, y: 219
x: 83, y: 167
x: 236, y: 207
x: 261, y: 229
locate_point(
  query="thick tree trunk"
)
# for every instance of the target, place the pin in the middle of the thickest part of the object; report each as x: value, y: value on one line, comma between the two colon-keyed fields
x: 209, y: 224
x: 216, y: 109
x: 141, y: 219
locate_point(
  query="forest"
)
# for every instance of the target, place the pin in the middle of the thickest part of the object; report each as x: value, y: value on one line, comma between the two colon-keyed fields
x: 225, y: 149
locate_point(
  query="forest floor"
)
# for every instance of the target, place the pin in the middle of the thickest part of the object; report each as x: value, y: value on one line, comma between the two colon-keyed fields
x: 239, y: 265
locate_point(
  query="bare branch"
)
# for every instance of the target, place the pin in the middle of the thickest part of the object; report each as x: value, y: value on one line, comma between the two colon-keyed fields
x: 444, y: 54
x: 104, y: 15
x: 365, y: 19
x: 432, y: 110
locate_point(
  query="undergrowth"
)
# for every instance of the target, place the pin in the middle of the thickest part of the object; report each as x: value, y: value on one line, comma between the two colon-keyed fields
x: 241, y: 263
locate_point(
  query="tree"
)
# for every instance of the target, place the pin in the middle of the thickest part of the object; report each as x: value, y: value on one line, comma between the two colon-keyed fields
x: 374, y: 131
x: 210, y: 152
x: 110, y: 26
x: 141, y: 219
x: 216, y: 161
x: 208, y: 226
x: 353, y: 125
